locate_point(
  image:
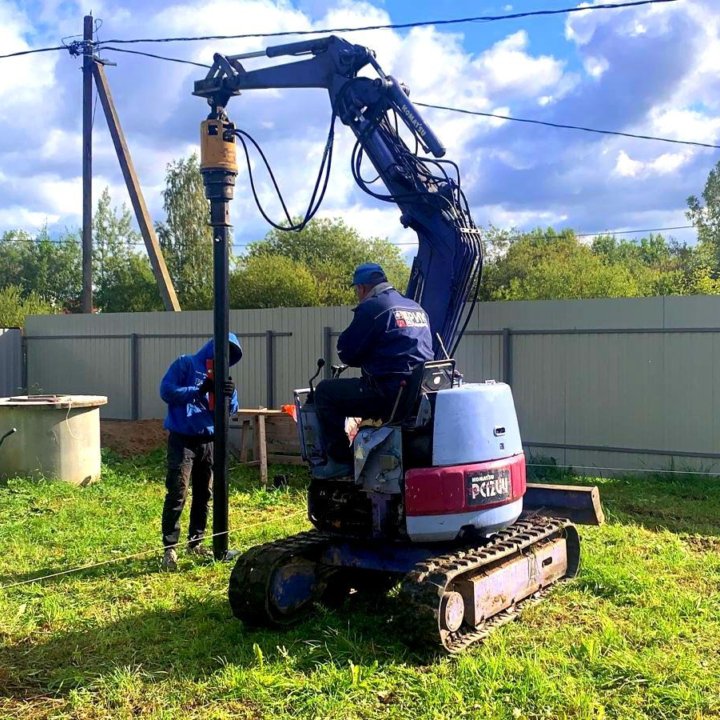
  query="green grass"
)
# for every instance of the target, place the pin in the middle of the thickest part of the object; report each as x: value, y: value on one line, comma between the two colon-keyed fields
x: 636, y: 635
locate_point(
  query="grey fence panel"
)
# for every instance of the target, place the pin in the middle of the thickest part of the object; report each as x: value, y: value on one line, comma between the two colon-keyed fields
x: 82, y: 365
x: 621, y: 382
x: 539, y: 368
x: 11, y: 374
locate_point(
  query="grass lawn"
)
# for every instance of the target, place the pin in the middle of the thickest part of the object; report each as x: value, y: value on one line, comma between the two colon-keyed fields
x: 636, y: 635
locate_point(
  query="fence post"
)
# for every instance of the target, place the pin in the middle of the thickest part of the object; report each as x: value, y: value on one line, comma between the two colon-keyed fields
x: 23, y: 362
x: 270, y: 368
x: 327, y: 350
x: 507, y: 355
x: 135, y: 376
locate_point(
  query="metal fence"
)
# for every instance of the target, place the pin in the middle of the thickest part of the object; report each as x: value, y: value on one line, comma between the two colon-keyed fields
x: 11, y: 365
x: 620, y: 383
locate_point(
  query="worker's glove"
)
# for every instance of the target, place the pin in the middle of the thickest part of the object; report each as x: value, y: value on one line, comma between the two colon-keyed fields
x: 228, y: 387
x: 206, y: 386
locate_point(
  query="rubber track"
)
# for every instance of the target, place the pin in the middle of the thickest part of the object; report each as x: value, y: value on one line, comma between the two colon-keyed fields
x: 423, y: 587
x: 248, y: 589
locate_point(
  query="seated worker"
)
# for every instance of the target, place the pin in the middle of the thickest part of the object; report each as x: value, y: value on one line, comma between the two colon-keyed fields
x: 388, y: 337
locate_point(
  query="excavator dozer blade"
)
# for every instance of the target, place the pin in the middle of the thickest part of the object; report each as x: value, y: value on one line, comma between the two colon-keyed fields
x: 579, y: 504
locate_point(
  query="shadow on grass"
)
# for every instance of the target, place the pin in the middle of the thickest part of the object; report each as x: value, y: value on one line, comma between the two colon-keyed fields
x: 195, y: 641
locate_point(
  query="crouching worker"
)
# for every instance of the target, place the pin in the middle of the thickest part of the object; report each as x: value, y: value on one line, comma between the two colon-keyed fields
x: 191, y: 427
x: 388, y: 337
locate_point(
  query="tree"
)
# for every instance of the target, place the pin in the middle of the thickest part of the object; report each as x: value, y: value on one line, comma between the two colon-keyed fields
x: 123, y: 278
x: 266, y: 281
x: 706, y: 218
x: 50, y: 268
x: 330, y: 250
x: 15, y: 306
x: 546, y: 265
x: 185, y: 236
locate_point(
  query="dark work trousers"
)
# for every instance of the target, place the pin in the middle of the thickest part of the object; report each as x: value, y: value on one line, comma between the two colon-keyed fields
x: 339, y: 398
x: 188, y: 459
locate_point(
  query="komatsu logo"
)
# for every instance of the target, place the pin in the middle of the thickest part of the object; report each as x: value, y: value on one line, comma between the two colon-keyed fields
x: 488, y: 486
x: 414, y: 121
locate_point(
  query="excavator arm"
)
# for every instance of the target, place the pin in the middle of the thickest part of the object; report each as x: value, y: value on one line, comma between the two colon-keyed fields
x: 446, y: 271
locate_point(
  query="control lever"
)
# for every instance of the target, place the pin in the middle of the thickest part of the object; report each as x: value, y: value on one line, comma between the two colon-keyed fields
x: 320, y: 366
x: 403, y: 384
x: 338, y: 370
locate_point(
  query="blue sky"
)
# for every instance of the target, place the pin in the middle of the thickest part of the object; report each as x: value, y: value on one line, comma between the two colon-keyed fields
x: 648, y: 70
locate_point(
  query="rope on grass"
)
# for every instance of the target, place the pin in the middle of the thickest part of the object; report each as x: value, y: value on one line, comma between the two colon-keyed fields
x: 133, y: 556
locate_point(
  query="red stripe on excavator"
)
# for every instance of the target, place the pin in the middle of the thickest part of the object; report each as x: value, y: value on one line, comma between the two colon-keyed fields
x: 443, y: 490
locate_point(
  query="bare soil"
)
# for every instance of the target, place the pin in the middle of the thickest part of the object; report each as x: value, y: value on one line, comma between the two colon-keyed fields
x: 132, y: 437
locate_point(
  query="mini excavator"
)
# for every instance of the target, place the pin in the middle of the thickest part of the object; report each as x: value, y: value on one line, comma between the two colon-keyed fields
x: 438, y: 501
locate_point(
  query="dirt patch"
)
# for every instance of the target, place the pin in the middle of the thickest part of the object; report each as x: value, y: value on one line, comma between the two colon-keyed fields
x: 703, y: 544
x: 132, y: 437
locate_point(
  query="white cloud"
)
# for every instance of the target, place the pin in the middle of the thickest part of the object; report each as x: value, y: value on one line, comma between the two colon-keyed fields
x: 508, y: 67
x: 652, y: 70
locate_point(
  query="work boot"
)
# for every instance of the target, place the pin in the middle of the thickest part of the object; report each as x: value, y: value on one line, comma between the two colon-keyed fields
x: 200, y: 551
x: 169, y: 561
x: 332, y: 469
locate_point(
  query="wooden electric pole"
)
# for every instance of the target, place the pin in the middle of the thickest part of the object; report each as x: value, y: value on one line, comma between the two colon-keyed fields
x: 93, y: 69
x: 162, y: 276
x: 88, y: 50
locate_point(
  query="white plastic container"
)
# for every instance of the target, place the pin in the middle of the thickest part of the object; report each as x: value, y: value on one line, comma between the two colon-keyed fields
x: 57, y: 436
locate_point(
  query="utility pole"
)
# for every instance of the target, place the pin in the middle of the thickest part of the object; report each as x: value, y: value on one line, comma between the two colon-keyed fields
x: 157, y: 261
x: 88, y: 52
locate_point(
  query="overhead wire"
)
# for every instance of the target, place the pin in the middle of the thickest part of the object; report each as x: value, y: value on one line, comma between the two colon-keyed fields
x: 564, y: 126
x: 105, y: 48
x: 400, y: 26
x: 601, y: 233
x: 33, y: 51
x: 478, y: 113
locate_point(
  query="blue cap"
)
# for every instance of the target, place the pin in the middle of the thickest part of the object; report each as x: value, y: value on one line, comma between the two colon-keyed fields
x: 368, y: 273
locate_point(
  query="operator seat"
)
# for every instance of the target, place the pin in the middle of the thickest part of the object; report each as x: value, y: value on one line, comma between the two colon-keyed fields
x: 426, y: 379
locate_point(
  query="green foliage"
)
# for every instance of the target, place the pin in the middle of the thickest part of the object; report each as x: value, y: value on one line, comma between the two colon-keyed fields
x: 185, y: 236
x: 706, y: 218
x: 547, y: 265
x: 37, y: 264
x: 266, y: 281
x: 14, y: 308
x: 330, y: 250
x: 123, y: 278
x: 633, y: 637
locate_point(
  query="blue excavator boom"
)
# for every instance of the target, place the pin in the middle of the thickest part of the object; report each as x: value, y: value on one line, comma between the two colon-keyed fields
x: 445, y: 273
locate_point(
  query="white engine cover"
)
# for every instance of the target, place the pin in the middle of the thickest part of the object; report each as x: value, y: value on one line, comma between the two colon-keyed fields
x: 475, y: 423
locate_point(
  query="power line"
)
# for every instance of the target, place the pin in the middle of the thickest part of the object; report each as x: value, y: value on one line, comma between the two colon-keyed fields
x: 568, y: 127
x: 34, y: 50
x: 629, y: 232
x: 599, y: 233
x: 399, y: 26
x: 477, y: 112
x: 157, y: 57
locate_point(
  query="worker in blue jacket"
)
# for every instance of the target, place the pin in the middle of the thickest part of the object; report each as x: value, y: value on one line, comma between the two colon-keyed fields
x: 191, y: 426
x: 388, y: 337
